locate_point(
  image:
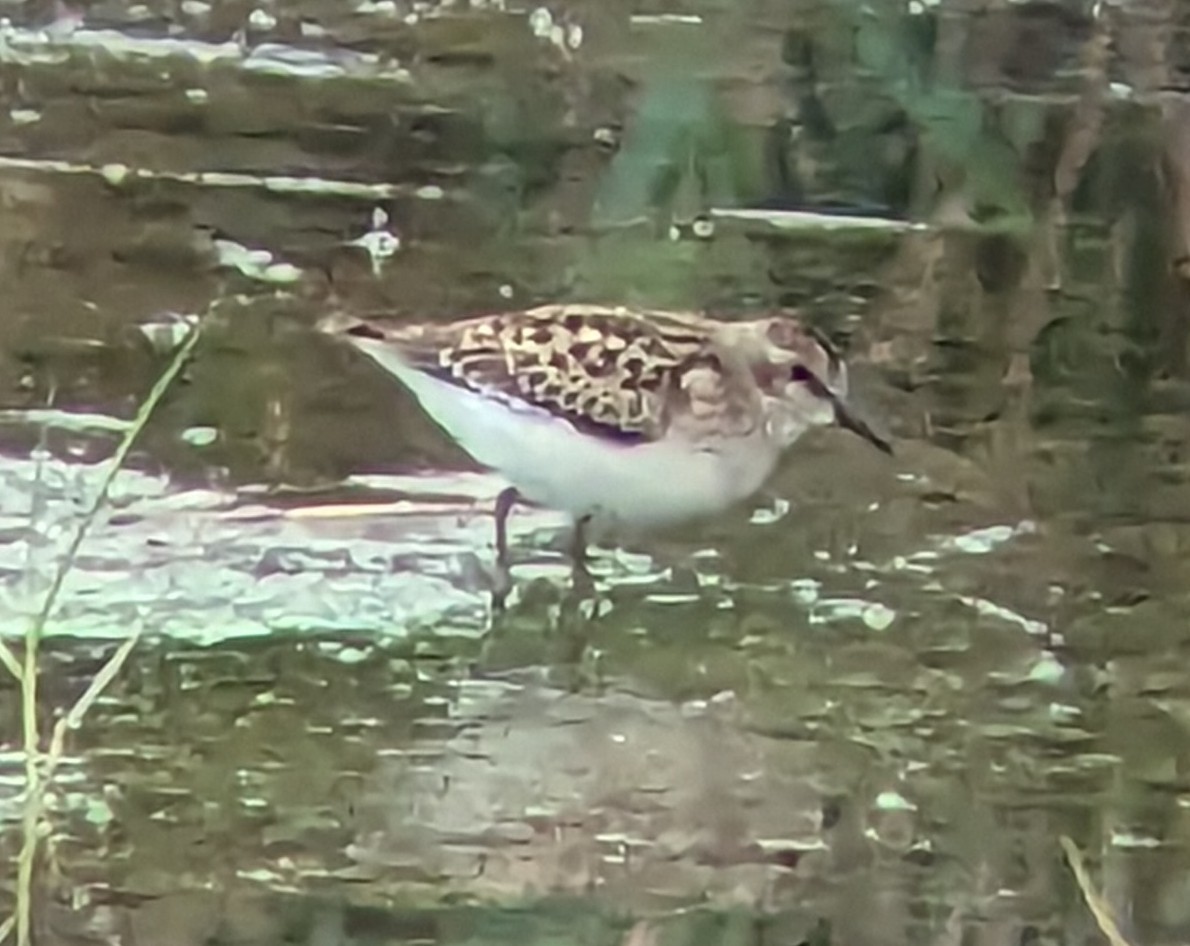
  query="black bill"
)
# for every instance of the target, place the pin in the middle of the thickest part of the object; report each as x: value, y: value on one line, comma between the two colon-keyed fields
x: 847, y: 418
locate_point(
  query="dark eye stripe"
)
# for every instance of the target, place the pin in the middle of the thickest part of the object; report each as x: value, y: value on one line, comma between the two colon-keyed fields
x: 814, y: 384
x: 364, y: 330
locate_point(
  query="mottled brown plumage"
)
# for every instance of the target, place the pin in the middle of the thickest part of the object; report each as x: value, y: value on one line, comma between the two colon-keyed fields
x: 628, y: 374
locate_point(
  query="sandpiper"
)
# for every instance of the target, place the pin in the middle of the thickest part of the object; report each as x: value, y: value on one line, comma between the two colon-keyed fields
x: 622, y: 418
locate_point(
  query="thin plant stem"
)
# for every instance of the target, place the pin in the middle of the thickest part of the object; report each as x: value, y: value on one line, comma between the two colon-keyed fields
x: 1095, y: 902
x: 25, y: 861
x: 37, y: 777
x: 117, y: 462
x: 74, y: 718
x: 34, y: 800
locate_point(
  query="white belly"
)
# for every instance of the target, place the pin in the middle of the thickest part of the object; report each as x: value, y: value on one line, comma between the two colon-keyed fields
x: 551, y: 463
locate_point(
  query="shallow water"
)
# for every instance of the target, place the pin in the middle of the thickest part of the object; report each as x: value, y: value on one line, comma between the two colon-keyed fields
x: 861, y: 711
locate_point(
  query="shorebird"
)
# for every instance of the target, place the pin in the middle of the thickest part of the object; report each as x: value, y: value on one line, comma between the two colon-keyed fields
x: 622, y: 418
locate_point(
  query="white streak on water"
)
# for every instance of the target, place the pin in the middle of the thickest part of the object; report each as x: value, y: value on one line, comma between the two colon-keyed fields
x: 278, y: 184
x: 21, y: 46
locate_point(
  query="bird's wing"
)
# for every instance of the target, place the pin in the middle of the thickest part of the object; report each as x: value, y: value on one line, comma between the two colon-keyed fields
x: 626, y: 375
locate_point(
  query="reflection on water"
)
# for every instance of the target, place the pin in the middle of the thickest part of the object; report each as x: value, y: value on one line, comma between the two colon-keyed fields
x: 862, y: 711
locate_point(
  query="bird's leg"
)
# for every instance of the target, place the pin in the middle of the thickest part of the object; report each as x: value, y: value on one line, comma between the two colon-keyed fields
x: 584, y: 584
x: 503, y: 584
x: 574, y: 617
x: 504, y: 502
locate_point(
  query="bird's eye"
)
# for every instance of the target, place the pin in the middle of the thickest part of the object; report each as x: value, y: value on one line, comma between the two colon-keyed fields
x: 801, y: 374
x: 364, y: 330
